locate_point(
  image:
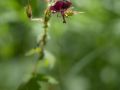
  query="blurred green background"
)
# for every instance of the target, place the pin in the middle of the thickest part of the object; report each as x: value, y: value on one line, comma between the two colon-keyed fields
x: 86, y: 48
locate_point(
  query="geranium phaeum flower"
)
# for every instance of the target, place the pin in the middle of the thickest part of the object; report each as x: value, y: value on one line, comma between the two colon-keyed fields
x: 61, y: 6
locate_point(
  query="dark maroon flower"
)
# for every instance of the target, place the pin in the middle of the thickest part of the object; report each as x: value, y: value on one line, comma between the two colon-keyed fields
x: 61, y: 6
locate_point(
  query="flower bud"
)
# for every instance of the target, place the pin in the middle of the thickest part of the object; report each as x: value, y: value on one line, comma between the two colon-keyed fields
x: 29, y: 11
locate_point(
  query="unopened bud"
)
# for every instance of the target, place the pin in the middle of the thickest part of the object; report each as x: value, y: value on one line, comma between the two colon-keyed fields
x: 29, y: 11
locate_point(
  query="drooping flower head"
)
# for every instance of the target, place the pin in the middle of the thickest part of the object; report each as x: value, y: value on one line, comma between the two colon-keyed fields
x: 61, y: 6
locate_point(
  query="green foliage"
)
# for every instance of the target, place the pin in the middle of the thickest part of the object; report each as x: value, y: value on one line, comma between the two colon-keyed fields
x: 32, y: 84
x: 33, y: 51
x: 84, y: 53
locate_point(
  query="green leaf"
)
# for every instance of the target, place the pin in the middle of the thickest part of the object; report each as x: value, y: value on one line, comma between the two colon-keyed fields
x: 52, y: 80
x: 33, y: 51
x: 49, y: 60
x: 32, y: 84
x: 42, y: 77
x: 47, y: 78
